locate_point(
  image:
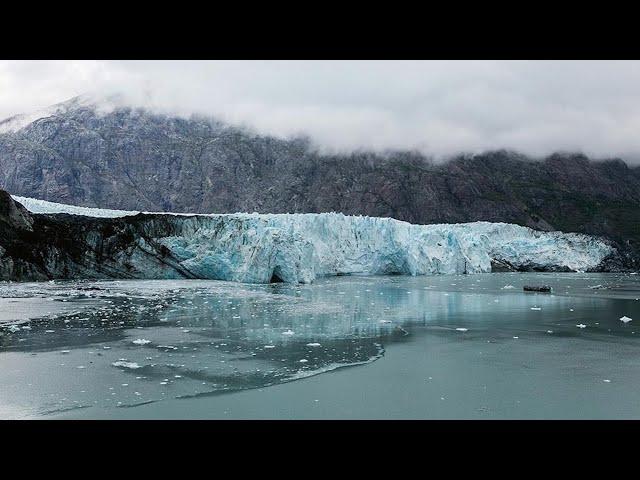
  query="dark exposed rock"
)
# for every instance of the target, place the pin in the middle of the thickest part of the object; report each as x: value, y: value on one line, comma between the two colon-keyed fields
x: 623, y: 261
x: 537, y: 288
x: 13, y: 214
x: 502, y: 266
x: 66, y: 246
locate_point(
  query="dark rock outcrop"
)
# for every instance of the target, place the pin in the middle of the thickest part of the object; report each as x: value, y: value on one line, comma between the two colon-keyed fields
x: 42, y: 247
x: 13, y: 215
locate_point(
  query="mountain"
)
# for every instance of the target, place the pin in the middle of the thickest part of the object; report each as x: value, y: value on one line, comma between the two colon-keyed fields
x: 81, y: 153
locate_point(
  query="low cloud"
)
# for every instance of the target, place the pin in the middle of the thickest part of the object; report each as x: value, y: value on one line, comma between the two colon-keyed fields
x: 438, y: 107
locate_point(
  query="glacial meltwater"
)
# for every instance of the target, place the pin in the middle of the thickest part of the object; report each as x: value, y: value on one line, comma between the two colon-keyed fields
x: 446, y: 346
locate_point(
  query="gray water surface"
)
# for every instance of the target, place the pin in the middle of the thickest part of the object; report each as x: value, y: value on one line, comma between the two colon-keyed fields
x: 452, y: 346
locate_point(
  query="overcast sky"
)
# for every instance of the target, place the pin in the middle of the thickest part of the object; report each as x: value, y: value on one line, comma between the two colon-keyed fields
x: 438, y: 107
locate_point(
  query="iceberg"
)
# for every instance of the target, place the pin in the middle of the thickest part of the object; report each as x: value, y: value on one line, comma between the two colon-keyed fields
x: 298, y: 248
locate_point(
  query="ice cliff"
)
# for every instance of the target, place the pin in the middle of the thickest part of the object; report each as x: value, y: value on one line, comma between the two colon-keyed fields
x: 261, y: 248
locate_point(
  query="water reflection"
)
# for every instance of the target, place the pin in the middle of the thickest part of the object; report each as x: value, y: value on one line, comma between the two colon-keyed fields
x: 124, y: 343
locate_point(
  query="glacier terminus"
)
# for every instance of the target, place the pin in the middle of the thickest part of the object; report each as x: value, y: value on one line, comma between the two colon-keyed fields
x: 260, y: 248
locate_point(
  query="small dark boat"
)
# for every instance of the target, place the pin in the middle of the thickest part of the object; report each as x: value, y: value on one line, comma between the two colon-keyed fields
x: 541, y: 288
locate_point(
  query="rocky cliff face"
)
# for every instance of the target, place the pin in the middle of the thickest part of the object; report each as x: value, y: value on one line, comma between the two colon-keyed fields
x: 132, y: 159
x: 13, y: 215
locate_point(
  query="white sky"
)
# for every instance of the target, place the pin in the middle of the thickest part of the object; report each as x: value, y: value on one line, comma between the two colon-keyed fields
x: 438, y: 107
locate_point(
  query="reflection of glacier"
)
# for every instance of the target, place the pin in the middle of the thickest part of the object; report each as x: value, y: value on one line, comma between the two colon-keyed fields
x: 258, y: 248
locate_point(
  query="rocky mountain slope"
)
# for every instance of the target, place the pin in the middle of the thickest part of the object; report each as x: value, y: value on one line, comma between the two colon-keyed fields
x: 133, y: 159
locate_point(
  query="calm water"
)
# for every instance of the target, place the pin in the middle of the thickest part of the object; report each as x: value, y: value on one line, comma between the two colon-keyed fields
x: 464, y: 346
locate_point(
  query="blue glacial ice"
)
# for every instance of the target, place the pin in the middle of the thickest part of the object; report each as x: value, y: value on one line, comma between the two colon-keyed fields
x: 297, y: 248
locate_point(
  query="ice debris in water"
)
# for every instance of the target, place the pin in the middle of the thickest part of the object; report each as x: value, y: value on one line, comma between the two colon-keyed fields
x: 625, y: 319
x: 141, y: 341
x: 126, y: 364
x: 288, y: 332
x: 312, y: 344
x: 536, y: 308
x: 581, y: 325
x: 508, y: 287
x: 462, y: 329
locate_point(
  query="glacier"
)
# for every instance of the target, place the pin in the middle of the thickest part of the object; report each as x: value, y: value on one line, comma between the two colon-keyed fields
x: 297, y: 248
x: 35, y: 205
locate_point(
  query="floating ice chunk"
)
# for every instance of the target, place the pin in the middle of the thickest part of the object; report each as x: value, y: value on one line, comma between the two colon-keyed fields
x: 606, y: 380
x: 304, y: 360
x: 313, y: 344
x: 126, y: 364
x: 581, y: 325
x: 288, y: 332
x: 536, y: 308
x: 14, y: 328
x: 141, y: 341
x: 462, y: 329
x: 269, y: 346
x: 549, y: 331
x: 625, y: 319
x: 508, y: 287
